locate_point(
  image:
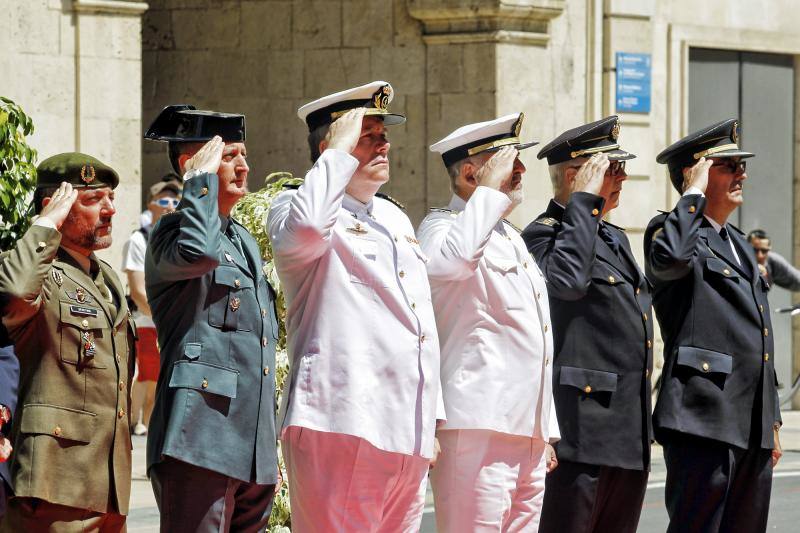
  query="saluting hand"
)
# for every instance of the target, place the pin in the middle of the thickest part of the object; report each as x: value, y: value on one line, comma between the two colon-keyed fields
x: 57, y: 207
x: 498, y: 170
x: 345, y: 131
x: 208, y: 158
x: 591, y: 175
x: 697, y: 176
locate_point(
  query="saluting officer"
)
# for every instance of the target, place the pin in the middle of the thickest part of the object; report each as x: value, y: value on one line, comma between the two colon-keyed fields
x: 717, y: 414
x: 211, y: 446
x: 363, y: 396
x: 493, y: 319
x: 603, y: 331
x: 65, y: 311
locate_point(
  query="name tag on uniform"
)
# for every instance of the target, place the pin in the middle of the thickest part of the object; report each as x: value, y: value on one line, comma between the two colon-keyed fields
x: 83, y: 311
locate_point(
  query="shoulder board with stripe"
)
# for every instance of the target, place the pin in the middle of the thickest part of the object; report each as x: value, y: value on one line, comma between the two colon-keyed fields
x: 614, y: 225
x: 390, y: 199
x: 291, y: 185
x: 547, y: 221
x: 443, y: 210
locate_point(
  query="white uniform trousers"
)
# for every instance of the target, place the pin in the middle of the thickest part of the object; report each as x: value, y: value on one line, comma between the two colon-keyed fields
x: 342, y: 483
x: 488, y: 481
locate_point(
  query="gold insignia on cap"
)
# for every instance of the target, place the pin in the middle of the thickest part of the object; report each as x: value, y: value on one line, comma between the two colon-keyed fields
x: 614, y: 131
x: 380, y: 100
x: 88, y: 173
x: 518, y: 124
x: 57, y: 277
x: 735, y: 132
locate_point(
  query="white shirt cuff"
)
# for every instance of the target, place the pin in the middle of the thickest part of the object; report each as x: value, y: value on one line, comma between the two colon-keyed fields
x: 693, y: 190
x: 45, y: 222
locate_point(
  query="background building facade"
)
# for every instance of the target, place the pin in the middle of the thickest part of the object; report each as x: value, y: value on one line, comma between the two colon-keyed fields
x: 94, y: 73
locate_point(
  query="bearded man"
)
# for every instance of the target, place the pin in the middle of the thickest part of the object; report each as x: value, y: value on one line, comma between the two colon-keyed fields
x: 66, y: 313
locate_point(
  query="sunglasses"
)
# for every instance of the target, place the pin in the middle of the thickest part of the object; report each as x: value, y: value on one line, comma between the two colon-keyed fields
x: 762, y: 250
x: 616, y: 168
x: 734, y: 167
x: 167, y: 202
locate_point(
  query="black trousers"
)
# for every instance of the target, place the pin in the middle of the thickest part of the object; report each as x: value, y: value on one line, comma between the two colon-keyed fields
x: 5, y: 493
x: 192, y: 499
x: 715, y: 487
x: 584, y: 498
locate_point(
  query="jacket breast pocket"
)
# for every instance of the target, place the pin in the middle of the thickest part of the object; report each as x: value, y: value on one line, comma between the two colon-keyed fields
x: 504, y: 269
x: 366, y: 261
x: 230, y: 288
x: 603, y: 275
x: 717, y: 270
x: 702, y: 361
x: 61, y: 423
x: 588, y: 381
x: 82, y: 328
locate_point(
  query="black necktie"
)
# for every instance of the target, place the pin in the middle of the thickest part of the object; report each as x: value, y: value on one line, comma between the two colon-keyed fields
x: 608, y: 238
x: 723, y: 232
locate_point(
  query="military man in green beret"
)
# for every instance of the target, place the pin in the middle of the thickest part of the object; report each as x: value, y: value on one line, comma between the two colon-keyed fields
x: 65, y: 310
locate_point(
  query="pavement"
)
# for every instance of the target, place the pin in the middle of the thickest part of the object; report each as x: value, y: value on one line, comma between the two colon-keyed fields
x: 784, y: 508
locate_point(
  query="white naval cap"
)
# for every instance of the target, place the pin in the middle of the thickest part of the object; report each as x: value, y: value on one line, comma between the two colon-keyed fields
x: 374, y: 96
x: 481, y: 137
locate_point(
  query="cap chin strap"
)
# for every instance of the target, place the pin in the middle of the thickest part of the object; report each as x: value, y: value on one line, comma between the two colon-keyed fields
x: 595, y: 150
x: 716, y: 149
x: 488, y: 146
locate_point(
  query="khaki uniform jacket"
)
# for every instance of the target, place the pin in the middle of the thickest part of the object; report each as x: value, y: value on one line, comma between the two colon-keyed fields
x: 71, y: 433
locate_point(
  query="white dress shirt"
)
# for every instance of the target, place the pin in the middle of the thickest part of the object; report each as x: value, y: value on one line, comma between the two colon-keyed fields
x: 493, y: 318
x: 362, y: 342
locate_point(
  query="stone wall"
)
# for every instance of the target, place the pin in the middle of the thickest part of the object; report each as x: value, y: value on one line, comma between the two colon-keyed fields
x: 75, y: 68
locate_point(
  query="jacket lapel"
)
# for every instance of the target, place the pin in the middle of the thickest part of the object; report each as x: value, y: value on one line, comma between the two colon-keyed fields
x: 113, y: 283
x: 631, y: 261
x: 605, y: 253
x: 721, y: 248
x: 745, y: 252
x: 74, y: 272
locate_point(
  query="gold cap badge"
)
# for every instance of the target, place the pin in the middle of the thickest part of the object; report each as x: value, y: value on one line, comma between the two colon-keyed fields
x: 88, y: 173
x: 735, y: 133
x: 380, y: 99
x: 614, y: 132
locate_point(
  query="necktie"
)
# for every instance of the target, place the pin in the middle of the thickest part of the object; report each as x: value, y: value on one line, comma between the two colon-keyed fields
x: 235, y: 239
x: 608, y: 238
x: 723, y: 232
x: 100, y: 283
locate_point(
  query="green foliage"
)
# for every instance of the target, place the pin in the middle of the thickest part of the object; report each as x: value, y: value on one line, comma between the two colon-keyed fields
x: 251, y: 211
x: 17, y: 172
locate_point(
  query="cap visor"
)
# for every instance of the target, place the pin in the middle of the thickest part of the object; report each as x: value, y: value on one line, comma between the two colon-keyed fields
x: 620, y: 155
x: 731, y: 153
x: 390, y: 119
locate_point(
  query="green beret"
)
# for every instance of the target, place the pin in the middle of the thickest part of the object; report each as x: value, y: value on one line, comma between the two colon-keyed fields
x: 80, y: 170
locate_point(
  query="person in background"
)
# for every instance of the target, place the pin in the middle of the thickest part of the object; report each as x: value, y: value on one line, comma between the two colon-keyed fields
x: 163, y: 198
x: 775, y: 268
x: 9, y: 384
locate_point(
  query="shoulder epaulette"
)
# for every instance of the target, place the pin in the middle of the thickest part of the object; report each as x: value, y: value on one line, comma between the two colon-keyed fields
x: 663, y: 212
x: 614, y: 225
x: 513, y: 226
x: 547, y: 221
x: 443, y: 210
x: 390, y: 199
x: 291, y: 185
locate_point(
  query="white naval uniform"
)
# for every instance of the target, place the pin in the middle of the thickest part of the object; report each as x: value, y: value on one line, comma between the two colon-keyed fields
x: 493, y: 318
x: 362, y: 342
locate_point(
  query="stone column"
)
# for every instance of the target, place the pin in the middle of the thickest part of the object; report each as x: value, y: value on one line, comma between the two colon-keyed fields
x: 487, y: 58
x: 108, y: 101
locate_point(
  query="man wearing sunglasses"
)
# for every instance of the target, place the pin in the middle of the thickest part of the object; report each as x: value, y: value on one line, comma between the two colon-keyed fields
x: 602, y: 334
x: 162, y: 199
x: 772, y: 265
x: 717, y: 415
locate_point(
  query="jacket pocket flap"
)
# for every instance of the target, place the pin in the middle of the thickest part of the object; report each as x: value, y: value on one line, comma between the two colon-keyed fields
x: 204, y: 377
x: 588, y: 380
x: 60, y: 422
x: 232, y: 277
x: 606, y: 276
x: 705, y: 360
x: 715, y: 264
x: 83, y: 316
x: 500, y: 263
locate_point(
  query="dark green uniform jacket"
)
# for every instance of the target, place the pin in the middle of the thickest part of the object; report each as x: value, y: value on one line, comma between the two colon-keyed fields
x: 215, y: 316
x: 71, y: 431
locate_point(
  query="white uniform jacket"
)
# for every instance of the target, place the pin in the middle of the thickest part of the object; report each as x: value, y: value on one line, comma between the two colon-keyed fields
x: 363, y: 348
x: 493, y: 318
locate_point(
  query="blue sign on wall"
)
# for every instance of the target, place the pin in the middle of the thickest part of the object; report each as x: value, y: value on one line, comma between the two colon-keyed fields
x: 633, y: 82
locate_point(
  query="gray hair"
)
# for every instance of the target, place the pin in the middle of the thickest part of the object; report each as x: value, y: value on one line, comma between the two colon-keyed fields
x: 316, y: 136
x: 557, y: 172
x: 454, y: 170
